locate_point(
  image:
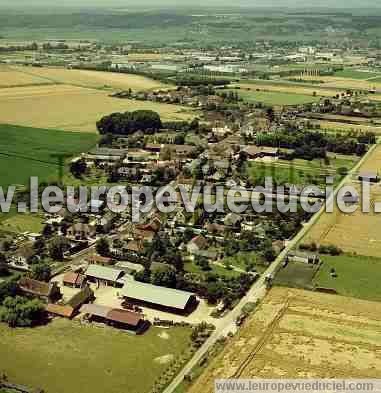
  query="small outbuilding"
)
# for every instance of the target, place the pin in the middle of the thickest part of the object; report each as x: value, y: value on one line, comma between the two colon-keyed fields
x: 121, y: 319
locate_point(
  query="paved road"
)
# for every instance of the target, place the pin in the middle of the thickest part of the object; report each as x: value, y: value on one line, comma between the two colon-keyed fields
x: 258, y: 290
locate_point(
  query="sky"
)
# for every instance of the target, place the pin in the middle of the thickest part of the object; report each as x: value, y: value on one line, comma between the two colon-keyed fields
x: 195, y: 3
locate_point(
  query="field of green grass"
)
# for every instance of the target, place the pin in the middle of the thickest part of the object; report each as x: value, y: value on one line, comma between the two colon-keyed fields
x: 276, y: 98
x: 244, y: 259
x: 355, y: 74
x: 192, y: 267
x: 19, y: 223
x: 65, y: 357
x: 296, y: 275
x: 301, y: 172
x: 26, y: 152
x: 357, y: 276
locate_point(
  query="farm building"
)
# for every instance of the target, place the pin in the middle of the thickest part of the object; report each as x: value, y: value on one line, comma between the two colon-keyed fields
x: 69, y: 309
x: 122, y: 319
x: 303, y: 257
x: 254, y: 151
x: 73, y: 280
x: 103, y: 275
x: 166, y: 299
x: 369, y: 177
x: 99, y: 260
x: 48, y: 292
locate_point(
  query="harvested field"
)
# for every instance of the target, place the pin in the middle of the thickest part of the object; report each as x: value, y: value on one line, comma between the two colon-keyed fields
x: 337, y: 126
x: 300, y: 334
x: 373, y: 163
x: 10, y: 77
x: 357, y: 232
x: 367, y: 84
x: 94, y: 79
x: 290, y: 88
x: 72, y: 108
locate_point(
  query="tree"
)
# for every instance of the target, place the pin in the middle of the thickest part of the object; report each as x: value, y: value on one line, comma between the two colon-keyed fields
x: 39, y: 246
x: 8, y: 288
x: 57, y: 247
x: 78, y: 168
x: 41, y: 272
x: 3, y: 265
x: 20, y: 311
x: 103, y: 247
x: 164, y: 278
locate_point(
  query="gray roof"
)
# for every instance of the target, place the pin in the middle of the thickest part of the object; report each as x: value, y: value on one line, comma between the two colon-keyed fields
x: 167, y: 297
x: 95, y: 309
x: 103, y: 273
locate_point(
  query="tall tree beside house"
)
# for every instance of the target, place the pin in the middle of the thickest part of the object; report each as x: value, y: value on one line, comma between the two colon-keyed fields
x: 8, y: 288
x: 3, y: 265
x: 78, y: 168
x: 57, y: 248
x: 103, y: 247
x: 41, y: 271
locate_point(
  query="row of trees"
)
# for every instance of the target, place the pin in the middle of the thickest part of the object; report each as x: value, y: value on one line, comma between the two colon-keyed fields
x: 310, y: 145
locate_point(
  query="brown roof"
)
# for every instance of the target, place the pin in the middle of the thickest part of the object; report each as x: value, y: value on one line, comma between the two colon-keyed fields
x: 99, y: 259
x: 124, y: 316
x: 112, y: 314
x: 34, y: 287
x: 61, y: 310
x: 71, y: 278
x: 215, y: 228
x: 134, y: 245
x: 200, y: 241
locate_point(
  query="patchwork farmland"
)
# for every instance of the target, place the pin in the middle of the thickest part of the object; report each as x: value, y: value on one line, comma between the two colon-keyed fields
x: 301, y: 334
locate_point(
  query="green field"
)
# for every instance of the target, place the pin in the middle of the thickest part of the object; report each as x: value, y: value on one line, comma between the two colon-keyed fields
x: 299, y: 172
x: 192, y: 267
x: 19, y: 223
x: 296, y: 275
x: 244, y: 259
x: 65, y: 357
x: 357, y: 276
x: 354, y: 74
x: 26, y: 152
x: 276, y: 98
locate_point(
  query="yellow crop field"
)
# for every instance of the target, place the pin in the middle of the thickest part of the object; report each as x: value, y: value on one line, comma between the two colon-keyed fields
x: 357, y: 232
x: 347, y: 83
x: 73, y: 108
x: 10, y: 77
x: 95, y: 79
x: 319, y: 90
x: 337, y: 126
x: 301, y: 334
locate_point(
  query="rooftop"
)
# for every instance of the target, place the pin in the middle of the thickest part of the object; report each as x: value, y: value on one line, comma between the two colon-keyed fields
x: 167, y: 297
